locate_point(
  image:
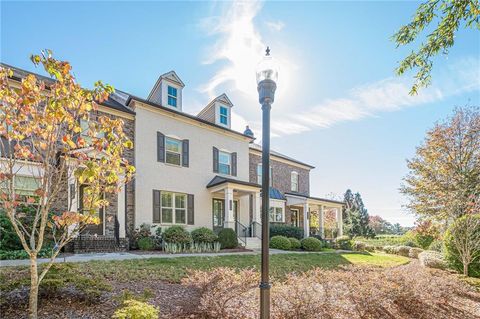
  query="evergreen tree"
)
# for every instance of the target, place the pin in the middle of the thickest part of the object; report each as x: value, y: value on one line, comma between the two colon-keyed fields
x: 355, y: 216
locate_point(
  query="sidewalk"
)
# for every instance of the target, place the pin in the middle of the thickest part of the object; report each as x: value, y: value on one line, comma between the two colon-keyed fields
x: 78, y: 258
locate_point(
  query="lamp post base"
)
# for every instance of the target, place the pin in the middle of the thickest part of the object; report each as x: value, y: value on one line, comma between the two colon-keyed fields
x: 264, y: 300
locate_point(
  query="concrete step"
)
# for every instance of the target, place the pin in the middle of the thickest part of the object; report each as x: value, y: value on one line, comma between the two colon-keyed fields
x: 252, y: 242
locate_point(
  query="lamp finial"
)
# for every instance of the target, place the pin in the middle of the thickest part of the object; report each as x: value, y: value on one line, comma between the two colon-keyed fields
x: 267, y: 51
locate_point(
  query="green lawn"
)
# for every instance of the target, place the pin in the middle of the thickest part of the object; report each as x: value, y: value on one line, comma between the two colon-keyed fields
x: 174, y: 269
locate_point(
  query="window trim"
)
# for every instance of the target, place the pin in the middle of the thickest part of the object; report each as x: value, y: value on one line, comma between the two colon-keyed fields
x: 229, y: 164
x: 180, y: 152
x: 174, y: 97
x: 220, y: 115
x: 173, y: 208
x: 292, y: 174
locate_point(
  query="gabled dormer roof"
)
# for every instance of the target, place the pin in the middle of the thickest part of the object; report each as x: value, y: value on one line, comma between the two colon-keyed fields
x: 169, y: 76
x: 222, y: 98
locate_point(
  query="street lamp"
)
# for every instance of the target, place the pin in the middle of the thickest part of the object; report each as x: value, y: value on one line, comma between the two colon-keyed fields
x: 267, y: 75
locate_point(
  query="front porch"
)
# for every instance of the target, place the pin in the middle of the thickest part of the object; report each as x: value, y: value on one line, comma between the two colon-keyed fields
x: 317, y: 216
x: 236, y: 204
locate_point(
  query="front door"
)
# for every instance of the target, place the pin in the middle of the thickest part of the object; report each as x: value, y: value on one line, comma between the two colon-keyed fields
x: 294, y: 213
x: 219, y: 214
x: 90, y: 229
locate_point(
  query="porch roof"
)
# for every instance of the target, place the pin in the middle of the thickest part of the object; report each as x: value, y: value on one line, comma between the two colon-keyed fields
x: 219, y: 180
x: 299, y: 199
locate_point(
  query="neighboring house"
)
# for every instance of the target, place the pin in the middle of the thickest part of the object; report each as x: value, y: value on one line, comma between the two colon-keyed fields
x: 195, y: 171
x: 290, y: 199
x: 111, y: 233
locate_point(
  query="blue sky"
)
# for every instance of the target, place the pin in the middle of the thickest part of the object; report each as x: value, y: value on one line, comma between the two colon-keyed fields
x: 339, y: 105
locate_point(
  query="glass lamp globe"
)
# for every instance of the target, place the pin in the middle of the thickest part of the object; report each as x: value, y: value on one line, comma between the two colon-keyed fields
x: 267, y: 68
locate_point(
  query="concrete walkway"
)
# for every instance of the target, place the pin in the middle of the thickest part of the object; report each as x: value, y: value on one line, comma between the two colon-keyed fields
x: 77, y: 258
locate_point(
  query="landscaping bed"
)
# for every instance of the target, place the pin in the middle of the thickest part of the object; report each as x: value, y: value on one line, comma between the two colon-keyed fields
x: 396, y: 287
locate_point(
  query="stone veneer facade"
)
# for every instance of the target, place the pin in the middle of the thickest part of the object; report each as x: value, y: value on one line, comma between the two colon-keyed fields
x: 281, y: 180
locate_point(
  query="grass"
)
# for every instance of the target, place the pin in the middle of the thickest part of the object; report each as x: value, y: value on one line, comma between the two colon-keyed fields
x: 174, y: 269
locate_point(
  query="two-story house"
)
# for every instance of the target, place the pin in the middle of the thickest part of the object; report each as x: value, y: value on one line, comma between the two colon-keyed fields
x: 290, y: 199
x: 196, y: 171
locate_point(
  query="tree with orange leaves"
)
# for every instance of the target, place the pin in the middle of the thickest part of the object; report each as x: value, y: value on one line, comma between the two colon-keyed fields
x: 41, y: 134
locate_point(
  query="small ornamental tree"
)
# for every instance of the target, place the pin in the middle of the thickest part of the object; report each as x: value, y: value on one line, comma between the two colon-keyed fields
x: 41, y: 133
x: 462, y: 243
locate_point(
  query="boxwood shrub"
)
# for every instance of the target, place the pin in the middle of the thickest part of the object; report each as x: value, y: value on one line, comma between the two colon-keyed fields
x: 311, y: 244
x: 146, y: 243
x: 344, y: 242
x: 286, y: 230
x: 176, y: 235
x: 203, y: 235
x: 294, y: 243
x: 280, y: 242
x: 228, y: 238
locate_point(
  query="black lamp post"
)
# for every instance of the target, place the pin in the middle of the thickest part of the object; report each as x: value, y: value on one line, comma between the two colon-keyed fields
x: 267, y: 76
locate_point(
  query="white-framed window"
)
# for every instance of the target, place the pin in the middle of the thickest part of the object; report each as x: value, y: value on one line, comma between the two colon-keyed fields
x: 294, y: 181
x: 223, y: 115
x: 174, y: 208
x: 224, y: 163
x: 173, y: 151
x: 276, y: 214
x: 260, y: 174
x: 172, y: 96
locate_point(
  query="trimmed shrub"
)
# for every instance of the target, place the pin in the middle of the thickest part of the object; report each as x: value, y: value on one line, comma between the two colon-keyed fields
x: 203, y: 235
x: 228, y: 238
x: 389, y: 249
x: 295, y: 243
x: 432, y: 259
x: 280, y: 242
x: 176, y: 235
x: 414, y: 251
x: 286, y: 230
x: 311, y: 244
x: 358, y: 246
x: 467, y: 230
x: 344, y: 242
x: 134, y: 309
x: 146, y: 243
x: 437, y: 245
x: 369, y: 248
x: 402, y: 250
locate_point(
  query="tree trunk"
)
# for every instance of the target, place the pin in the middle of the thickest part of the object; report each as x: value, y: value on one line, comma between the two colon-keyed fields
x: 465, y: 268
x: 33, y: 301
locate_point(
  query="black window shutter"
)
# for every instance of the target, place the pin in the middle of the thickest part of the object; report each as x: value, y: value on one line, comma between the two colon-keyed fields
x: 215, y: 159
x: 234, y: 164
x: 191, y: 210
x: 156, y: 206
x: 160, y: 147
x: 185, y: 153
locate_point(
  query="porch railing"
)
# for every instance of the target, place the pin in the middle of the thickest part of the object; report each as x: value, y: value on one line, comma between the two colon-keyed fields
x: 242, y: 232
x: 256, y: 230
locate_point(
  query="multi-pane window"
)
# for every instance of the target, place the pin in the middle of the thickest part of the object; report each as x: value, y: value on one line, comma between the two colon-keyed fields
x: 294, y: 182
x: 260, y: 174
x: 174, y: 208
x: 173, y: 151
x: 172, y: 96
x: 276, y: 214
x: 224, y: 163
x: 223, y: 115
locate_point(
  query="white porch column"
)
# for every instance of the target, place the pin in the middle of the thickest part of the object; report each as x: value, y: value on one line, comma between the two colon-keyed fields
x: 229, y: 218
x: 321, y: 224
x: 339, y: 221
x: 121, y: 211
x: 306, y: 221
x: 257, y: 211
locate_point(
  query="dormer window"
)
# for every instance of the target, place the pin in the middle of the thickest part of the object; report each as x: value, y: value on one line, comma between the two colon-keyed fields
x: 224, y: 115
x: 172, y: 96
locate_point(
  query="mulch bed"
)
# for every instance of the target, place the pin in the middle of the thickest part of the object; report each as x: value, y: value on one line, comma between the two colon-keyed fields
x: 175, y: 301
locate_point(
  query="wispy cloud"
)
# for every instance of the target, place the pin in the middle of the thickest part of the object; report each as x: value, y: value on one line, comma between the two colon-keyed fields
x: 275, y: 25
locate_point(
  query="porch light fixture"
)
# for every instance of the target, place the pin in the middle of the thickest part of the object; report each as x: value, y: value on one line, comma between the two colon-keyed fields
x: 267, y: 75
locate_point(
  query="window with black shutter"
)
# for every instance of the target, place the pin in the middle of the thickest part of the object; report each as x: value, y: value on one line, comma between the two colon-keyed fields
x: 191, y: 210
x: 215, y: 159
x: 156, y: 206
x: 185, y: 153
x: 160, y: 147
